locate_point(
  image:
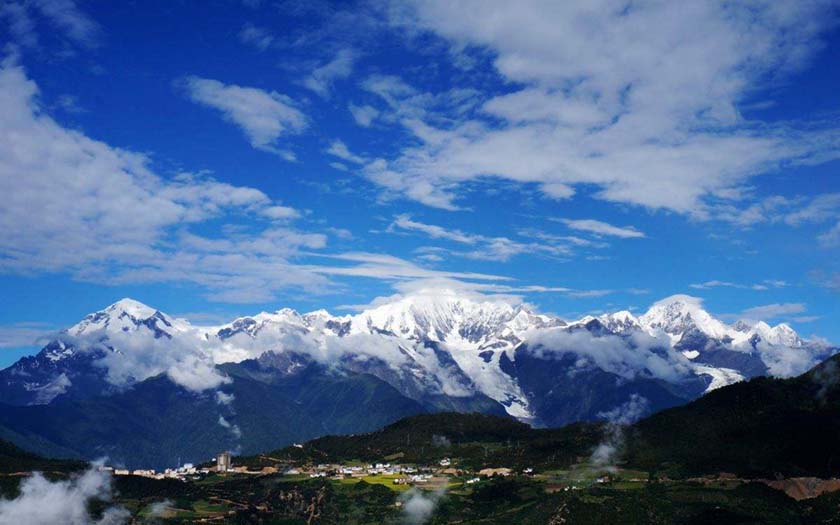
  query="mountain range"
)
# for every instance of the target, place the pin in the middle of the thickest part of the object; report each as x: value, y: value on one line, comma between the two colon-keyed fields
x: 147, y: 389
x: 758, y: 451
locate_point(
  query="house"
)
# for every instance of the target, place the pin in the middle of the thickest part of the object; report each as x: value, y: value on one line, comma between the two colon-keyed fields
x: 489, y: 472
x: 445, y: 462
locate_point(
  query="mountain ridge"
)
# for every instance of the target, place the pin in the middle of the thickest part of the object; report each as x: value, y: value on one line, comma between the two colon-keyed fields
x: 473, y: 333
x: 439, y: 351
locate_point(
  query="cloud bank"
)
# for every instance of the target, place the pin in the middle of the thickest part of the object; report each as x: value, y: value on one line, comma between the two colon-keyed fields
x: 607, y: 96
x: 44, y: 502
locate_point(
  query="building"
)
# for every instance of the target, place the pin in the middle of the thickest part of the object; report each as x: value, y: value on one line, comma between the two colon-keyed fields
x: 490, y: 472
x: 223, y: 463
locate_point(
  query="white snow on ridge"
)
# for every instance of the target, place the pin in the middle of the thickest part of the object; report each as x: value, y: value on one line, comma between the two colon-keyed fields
x: 720, y: 376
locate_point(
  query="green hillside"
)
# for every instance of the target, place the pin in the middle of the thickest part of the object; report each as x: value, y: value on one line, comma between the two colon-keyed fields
x: 763, y: 427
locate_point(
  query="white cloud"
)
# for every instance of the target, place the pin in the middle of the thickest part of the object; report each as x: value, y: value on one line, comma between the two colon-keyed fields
x: 640, y: 355
x: 234, y: 429
x: 186, y: 361
x: 830, y: 281
x: 24, y: 334
x: 104, y: 216
x: 715, y: 284
x: 323, y: 77
x: 339, y: 149
x: 831, y: 238
x: 602, y: 228
x: 280, y: 212
x: 63, y: 15
x: 258, y: 37
x: 611, y: 97
x: 607, y: 453
x: 819, y: 209
x: 794, y: 211
x: 44, y: 502
x: 224, y: 399
x: 388, y: 267
x: 485, y: 248
x: 115, y: 222
x: 264, y: 116
x: 484, y: 291
x: 363, y: 115
x: 764, y: 285
x: 775, y: 283
x: 436, y: 232
x: 772, y: 311
x: 21, y: 26
x: 69, y: 104
x: 418, y: 506
x: 783, y: 361
x: 160, y: 509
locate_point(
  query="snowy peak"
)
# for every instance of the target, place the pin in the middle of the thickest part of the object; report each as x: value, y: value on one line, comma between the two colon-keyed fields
x: 131, y: 307
x: 781, y: 334
x: 620, y: 322
x: 283, y: 320
x: 127, y: 315
x: 681, y: 317
x: 680, y: 314
x: 443, y: 315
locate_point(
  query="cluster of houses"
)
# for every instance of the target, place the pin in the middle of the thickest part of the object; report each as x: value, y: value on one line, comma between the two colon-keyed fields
x: 339, y: 471
x: 186, y: 472
x: 405, y: 474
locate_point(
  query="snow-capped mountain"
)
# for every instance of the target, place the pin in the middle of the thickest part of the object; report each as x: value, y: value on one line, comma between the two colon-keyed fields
x: 128, y: 315
x: 74, y: 363
x: 437, y: 347
x: 681, y: 314
x: 444, y: 316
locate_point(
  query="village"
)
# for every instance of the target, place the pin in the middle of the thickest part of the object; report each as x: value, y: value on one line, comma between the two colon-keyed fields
x: 431, y: 476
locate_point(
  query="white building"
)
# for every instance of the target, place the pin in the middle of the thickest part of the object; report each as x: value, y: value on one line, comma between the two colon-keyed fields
x: 223, y: 462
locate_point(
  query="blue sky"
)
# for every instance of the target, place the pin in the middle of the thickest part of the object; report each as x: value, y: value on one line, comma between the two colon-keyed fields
x: 235, y: 157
